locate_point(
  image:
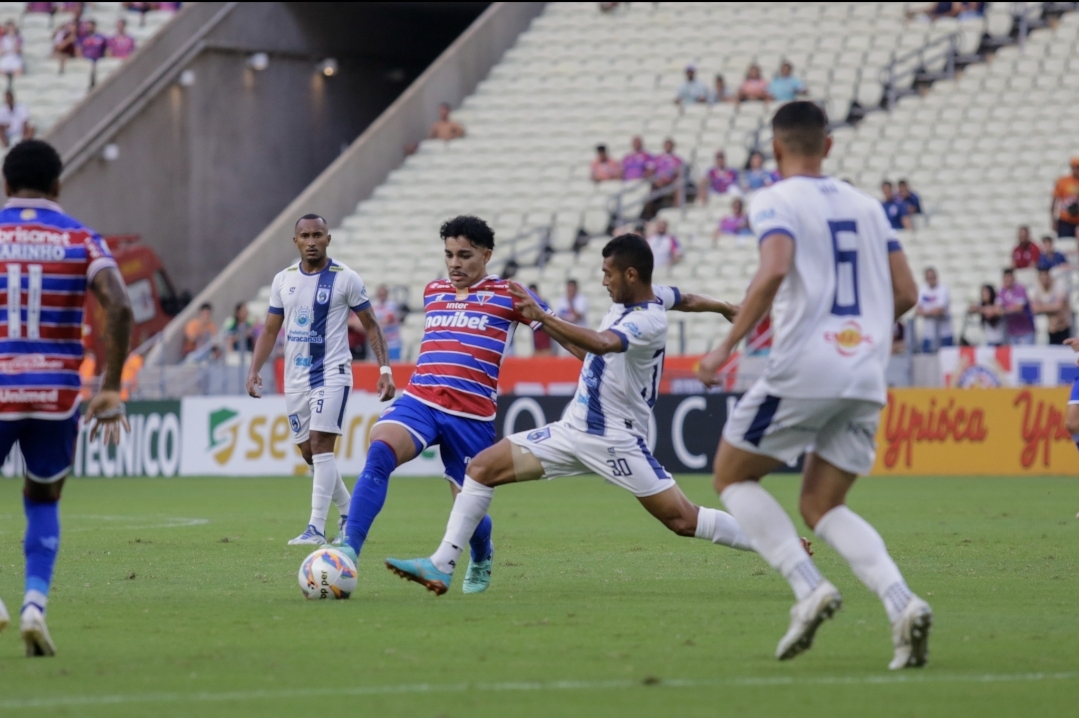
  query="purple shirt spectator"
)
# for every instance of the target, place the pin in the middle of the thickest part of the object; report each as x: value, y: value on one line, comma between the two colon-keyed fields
x: 638, y: 163
x: 121, y: 44
x: 93, y: 45
x: 722, y: 180
x: 1020, y: 324
x: 667, y: 165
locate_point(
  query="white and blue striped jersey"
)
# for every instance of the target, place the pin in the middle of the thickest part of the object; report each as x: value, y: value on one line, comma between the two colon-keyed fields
x: 316, y: 309
x: 834, y: 311
x: 616, y: 392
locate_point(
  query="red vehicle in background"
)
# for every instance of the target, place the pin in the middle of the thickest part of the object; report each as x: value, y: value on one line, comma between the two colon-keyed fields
x: 154, y: 300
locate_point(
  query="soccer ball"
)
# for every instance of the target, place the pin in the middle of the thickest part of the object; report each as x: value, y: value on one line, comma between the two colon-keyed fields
x: 327, y: 573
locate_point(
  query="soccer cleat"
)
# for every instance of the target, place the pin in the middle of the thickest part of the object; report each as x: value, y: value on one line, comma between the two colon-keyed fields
x: 910, y: 634
x: 423, y: 572
x: 4, y: 617
x: 806, y: 617
x: 478, y: 577
x: 35, y: 633
x: 310, y: 537
x: 339, y: 539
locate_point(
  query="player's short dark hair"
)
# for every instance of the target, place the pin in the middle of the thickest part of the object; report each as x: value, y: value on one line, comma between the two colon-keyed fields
x: 310, y: 215
x: 32, y: 165
x: 474, y: 229
x: 631, y: 250
x: 802, y: 127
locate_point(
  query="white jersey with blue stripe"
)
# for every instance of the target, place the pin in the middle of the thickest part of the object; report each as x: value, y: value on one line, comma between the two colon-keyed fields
x: 315, y: 309
x: 616, y: 392
x: 833, y: 314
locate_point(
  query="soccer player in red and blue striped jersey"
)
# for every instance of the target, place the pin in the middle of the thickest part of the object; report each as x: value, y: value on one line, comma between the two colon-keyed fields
x: 48, y: 260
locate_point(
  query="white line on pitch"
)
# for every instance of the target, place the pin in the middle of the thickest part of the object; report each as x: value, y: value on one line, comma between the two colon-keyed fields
x: 412, y: 688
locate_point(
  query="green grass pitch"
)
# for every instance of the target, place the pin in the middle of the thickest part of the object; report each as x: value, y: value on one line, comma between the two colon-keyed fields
x: 179, y: 597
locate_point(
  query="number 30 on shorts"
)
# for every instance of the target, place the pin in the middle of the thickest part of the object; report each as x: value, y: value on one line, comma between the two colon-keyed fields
x: 619, y: 467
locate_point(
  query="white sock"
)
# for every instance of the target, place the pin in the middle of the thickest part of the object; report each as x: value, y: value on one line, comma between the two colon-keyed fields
x: 719, y: 527
x: 859, y: 543
x: 325, y: 476
x: 342, y: 499
x: 469, y: 508
x: 772, y: 535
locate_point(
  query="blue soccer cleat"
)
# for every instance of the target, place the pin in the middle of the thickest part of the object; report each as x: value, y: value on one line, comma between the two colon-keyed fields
x: 423, y: 572
x: 478, y: 577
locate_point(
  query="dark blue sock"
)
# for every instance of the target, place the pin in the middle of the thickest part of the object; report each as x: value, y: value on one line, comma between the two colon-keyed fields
x: 370, y: 493
x: 41, y: 545
x: 480, y: 542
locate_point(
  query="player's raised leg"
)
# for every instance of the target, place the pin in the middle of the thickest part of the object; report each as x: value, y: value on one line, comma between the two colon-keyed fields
x: 823, y: 507
x: 685, y: 518
x: 772, y: 534
x: 503, y: 463
x: 392, y: 444
x: 316, y: 418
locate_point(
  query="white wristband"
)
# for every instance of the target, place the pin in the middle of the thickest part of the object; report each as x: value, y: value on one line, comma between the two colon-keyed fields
x: 385, y: 370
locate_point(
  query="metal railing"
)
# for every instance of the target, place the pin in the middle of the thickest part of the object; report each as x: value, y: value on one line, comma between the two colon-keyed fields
x: 914, y: 67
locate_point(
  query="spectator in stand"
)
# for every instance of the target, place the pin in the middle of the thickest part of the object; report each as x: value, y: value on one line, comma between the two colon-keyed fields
x: 121, y: 44
x: 755, y: 176
x: 1051, y: 299
x: 573, y: 307
x: 991, y: 314
x: 445, y: 128
x: 542, y: 346
x: 720, y: 179
x: 785, y: 86
x: 894, y: 207
x: 910, y: 198
x: 666, y: 250
x: 14, y: 121
x: 241, y: 334
x: 1064, y: 211
x: 1014, y: 305
x: 899, y: 339
x: 736, y: 223
x: 958, y: 10
x: 666, y: 172
x: 41, y: 8
x: 388, y: 314
x: 638, y: 164
x: 1050, y: 258
x: 754, y: 87
x: 933, y: 307
x: 65, y: 43
x: 1026, y: 254
x: 92, y: 44
x: 603, y: 167
x: 11, y: 51
x: 719, y: 92
x: 200, y: 331
x: 692, y: 91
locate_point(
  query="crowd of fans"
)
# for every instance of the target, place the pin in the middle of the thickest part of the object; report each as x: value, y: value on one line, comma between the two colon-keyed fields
x: 783, y: 87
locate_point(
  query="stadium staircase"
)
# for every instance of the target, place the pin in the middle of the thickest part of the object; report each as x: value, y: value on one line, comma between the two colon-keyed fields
x: 48, y: 94
x: 578, y: 77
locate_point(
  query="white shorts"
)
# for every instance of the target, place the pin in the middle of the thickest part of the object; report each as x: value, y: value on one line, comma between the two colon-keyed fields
x: 843, y: 432
x: 320, y: 409
x: 621, y: 458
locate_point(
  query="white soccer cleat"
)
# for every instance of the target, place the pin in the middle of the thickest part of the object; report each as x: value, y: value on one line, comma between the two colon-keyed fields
x: 339, y: 539
x: 910, y: 634
x: 4, y: 617
x: 806, y: 617
x: 35, y: 633
x: 310, y: 537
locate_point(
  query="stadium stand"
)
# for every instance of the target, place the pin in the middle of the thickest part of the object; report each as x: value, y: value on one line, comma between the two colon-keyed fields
x: 48, y: 94
x: 579, y: 77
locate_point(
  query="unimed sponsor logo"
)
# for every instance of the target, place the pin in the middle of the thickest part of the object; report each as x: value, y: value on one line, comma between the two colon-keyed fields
x: 29, y: 396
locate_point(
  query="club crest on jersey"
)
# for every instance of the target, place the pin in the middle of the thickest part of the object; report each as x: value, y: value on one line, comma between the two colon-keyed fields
x: 303, y: 316
x: 294, y: 422
x: 539, y: 435
x: 849, y: 339
x: 323, y: 295
x: 484, y: 296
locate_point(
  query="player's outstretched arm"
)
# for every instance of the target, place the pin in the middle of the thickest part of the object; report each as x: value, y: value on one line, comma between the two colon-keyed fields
x: 385, y: 388
x: 106, y: 410
x: 563, y: 332
x: 703, y: 303
x: 904, y: 287
x: 777, y: 253
x: 263, y: 348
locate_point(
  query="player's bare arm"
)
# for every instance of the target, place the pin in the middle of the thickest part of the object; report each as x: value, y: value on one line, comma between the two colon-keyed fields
x: 385, y: 387
x: 904, y: 287
x: 702, y: 303
x: 777, y: 252
x: 263, y: 347
x: 563, y: 332
x: 106, y: 410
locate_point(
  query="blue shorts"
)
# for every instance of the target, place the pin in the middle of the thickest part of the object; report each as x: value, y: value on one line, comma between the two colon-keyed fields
x: 47, y: 445
x: 1074, y: 398
x: 458, y: 438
